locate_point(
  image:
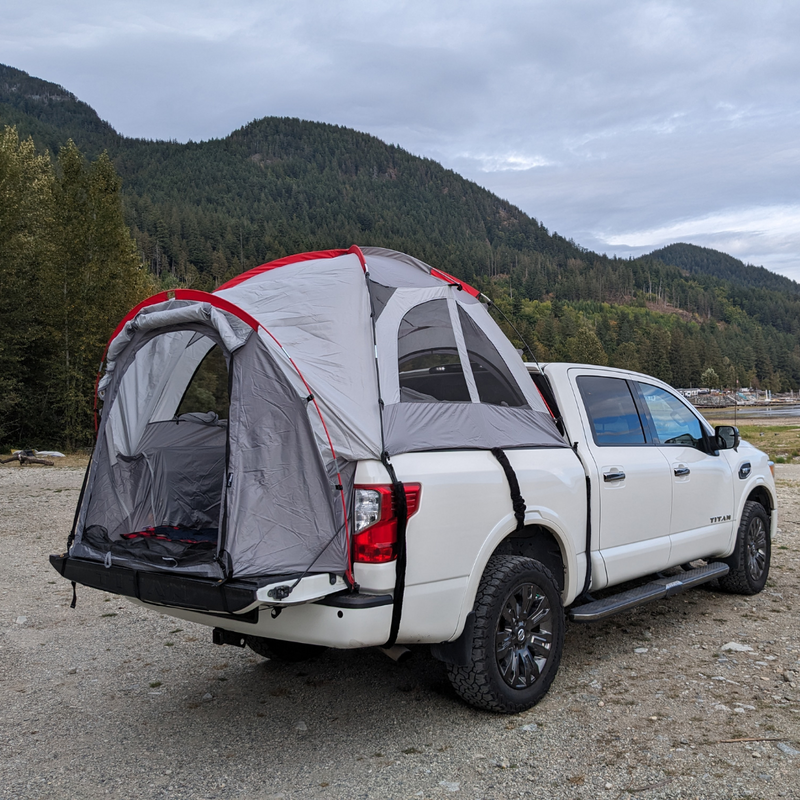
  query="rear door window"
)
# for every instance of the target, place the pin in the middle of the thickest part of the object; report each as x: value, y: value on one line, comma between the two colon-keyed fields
x: 611, y: 410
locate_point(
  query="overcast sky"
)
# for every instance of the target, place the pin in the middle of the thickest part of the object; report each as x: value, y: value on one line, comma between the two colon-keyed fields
x: 622, y: 124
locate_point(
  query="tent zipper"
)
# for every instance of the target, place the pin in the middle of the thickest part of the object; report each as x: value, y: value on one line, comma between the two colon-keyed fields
x: 222, y: 558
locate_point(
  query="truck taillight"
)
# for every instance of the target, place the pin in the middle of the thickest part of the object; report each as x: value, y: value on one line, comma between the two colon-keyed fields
x: 375, y: 537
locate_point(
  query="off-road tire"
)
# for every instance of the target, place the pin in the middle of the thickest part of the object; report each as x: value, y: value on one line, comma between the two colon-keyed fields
x: 497, y: 637
x: 283, y: 651
x: 750, y: 560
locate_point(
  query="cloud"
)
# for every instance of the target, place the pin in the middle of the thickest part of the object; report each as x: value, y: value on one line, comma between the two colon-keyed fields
x: 504, y: 162
x: 767, y: 236
x: 601, y: 118
x: 770, y: 221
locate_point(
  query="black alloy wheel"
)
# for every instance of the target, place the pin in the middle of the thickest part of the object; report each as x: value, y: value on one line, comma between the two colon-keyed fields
x: 516, y: 640
x: 524, y: 637
x: 756, y: 547
x: 750, y: 560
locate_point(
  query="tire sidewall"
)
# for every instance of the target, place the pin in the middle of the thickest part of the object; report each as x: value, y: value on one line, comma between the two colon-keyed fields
x: 526, y: 571
x: 756, y: 511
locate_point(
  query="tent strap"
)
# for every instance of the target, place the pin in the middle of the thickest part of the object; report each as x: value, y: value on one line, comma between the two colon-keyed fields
x: 517, y: 500
x: 401, y: 509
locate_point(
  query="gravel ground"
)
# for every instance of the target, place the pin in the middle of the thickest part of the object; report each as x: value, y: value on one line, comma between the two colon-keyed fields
x: 111, y: 700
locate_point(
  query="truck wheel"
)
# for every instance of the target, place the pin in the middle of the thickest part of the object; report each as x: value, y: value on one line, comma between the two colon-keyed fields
x: 517, y: 637
x: 283, y: 651
x: 750, y: 560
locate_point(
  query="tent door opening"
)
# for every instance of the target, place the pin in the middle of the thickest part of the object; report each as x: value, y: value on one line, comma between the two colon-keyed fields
x: 159, y: 486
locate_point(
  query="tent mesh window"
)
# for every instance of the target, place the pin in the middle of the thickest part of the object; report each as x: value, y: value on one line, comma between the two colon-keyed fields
x: 493, y: 379
x: 429, y: 367
x: 208, y: 389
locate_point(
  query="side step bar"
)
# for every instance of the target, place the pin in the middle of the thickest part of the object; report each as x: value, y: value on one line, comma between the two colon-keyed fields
x: 655, y: 590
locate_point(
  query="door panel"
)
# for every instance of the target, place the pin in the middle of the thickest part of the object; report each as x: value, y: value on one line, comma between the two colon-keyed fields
x: 634, y: 511
x: 634, y: 480
x: 702, y: 503
x: 702, y: 483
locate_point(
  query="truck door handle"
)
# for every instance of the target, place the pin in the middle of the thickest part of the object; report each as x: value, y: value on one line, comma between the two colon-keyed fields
x: 609, y: 477
x: 681, y: 471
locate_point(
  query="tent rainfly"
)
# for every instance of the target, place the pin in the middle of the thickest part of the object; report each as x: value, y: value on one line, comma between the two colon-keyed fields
x: 246, y: 469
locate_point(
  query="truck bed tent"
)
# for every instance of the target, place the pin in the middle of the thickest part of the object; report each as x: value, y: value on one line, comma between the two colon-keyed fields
x: 326, y: 358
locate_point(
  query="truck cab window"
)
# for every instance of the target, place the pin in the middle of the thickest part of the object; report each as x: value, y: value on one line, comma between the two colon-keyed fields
x: 612, y: 412
x: 674, y: 423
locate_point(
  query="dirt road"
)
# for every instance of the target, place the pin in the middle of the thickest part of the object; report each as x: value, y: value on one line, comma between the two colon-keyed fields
x: 111, y: 700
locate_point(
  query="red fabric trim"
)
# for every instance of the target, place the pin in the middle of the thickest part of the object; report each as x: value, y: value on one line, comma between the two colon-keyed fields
x: 356, y: 250
x: 218, y: 302
x: 161, y: 297
x: 443, y: 276
x: 282, y: 262
x: 156, y: 298
x: 546, y: 404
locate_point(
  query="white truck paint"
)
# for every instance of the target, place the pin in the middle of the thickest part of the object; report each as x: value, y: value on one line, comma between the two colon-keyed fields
x: 659, y: 496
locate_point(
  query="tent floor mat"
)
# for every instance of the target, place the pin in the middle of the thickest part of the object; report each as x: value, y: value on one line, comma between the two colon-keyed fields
x: 168, y: 589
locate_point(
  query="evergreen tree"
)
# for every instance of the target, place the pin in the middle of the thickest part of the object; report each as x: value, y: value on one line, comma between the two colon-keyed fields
x: 97, y: 278
x: 26, y: 220
x: 585, y: 348
x: 68, y: 274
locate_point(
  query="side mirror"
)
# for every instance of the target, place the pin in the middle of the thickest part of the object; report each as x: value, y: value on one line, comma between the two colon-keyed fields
x: 727, y: 437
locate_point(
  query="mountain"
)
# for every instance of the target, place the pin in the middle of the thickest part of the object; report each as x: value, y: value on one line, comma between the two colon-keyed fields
x: 704, y: 261
x: 51, y: 114
x: 209, y: 209
x: 202, y: 212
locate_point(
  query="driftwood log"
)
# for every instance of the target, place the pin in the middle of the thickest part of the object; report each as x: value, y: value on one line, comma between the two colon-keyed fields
x: 27, y: 457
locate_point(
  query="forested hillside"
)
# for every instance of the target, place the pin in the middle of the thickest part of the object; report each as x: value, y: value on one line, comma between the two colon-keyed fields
x: 68, y: 271
x: 704, y: 261
x: 200, y: 213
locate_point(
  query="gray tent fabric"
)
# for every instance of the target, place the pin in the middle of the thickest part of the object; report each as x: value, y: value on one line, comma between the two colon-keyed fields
x: 415, y: 427
x: 149, y: 473
x: 175, y: 479
x: 319, y: 311
x: 333, y: 358
x: 229, y: 328
x: 279, y: 485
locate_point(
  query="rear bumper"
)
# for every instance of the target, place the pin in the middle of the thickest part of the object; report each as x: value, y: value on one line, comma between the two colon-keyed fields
x: 162, y: 588
x: 342, y: 627
x: 340, y: 620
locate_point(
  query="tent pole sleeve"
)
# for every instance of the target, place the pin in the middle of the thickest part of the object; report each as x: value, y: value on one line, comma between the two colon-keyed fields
x: 401, y: 505
x: 377, y: 365
x: 225, y: 563
x: 461, y: 346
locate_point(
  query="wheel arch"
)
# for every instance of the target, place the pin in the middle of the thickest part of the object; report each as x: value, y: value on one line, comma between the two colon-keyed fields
x: 760, y: 494
x: 538, y: 536
x: 539, y: 543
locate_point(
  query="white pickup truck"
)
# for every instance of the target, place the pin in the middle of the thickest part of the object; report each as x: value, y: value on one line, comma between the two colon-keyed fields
x: 480, y: 551
x: 646, y: 485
